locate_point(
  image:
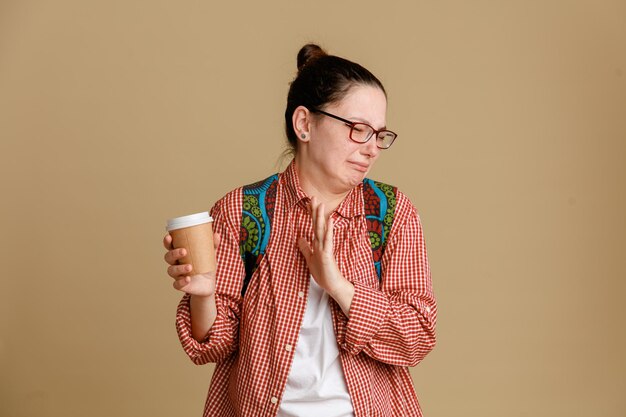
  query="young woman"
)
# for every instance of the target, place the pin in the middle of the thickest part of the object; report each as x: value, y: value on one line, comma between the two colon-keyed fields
x: 316, y: 327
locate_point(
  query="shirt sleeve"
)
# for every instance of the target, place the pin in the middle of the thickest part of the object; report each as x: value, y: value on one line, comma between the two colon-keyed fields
x: 222, y: 339
x: 395, y: 323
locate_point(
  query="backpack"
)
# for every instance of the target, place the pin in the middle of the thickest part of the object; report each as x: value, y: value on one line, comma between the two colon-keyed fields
x: 259, y: 201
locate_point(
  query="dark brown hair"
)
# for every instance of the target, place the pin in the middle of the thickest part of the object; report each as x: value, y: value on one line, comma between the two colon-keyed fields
x: 322, y: 79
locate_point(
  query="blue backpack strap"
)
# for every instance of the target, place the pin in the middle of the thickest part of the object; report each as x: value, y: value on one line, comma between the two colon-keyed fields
x: 379, y: 201
x: 259, y: 201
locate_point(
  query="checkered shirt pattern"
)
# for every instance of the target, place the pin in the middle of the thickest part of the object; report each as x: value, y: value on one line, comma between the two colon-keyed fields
x: 391, y: 324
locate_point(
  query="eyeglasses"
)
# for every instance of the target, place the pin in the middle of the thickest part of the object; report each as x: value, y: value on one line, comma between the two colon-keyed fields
x: 362, y: 132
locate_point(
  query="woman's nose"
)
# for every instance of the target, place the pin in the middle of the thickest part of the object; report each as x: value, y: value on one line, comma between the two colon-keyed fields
x: 370, y: 148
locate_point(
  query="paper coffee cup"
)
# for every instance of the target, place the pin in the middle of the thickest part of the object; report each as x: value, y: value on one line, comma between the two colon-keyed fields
x: 194, y: 233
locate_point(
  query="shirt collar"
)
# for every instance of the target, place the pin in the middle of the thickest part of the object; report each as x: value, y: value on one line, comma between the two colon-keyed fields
x: 351, y: 206
x: 293, y: 193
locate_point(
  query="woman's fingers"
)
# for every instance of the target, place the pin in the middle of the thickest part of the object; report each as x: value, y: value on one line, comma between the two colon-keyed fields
x: 322, y: 229
x: 320, y: 224
x: 167, y: 242
x: 176, y: 271
x: 172, y: 256
x: 199, y: 284
x: 313, y: 210
x: 317, y: 214
x: 328, y: 235
x: 179, y: 284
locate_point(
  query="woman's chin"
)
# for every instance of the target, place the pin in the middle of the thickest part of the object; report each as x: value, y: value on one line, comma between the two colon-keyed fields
x: 355, y: 180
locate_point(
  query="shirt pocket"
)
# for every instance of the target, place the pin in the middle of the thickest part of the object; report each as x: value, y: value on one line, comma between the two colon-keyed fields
x: 355, y: 259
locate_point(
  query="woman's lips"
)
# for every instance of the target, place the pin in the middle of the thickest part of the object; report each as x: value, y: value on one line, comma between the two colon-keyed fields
x: 360, y: 166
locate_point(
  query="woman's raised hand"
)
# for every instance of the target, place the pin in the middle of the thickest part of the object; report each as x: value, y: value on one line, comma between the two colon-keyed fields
x: 319, y: 252
x: 321, y: 260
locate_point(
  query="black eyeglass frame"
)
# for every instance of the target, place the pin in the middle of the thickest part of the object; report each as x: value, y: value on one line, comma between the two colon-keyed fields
x: 353, y: 124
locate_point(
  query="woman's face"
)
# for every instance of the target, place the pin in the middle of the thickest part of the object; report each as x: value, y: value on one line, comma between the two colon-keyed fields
x: 341, y: 162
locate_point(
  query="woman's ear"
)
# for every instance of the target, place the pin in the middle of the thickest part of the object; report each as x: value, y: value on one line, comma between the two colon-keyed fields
x: 301, y: 120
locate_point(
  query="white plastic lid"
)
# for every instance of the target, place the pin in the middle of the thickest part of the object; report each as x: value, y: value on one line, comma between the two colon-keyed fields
x: 188, y: 221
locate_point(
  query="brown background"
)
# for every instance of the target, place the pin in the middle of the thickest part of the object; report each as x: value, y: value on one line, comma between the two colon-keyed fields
x: 116, y: 115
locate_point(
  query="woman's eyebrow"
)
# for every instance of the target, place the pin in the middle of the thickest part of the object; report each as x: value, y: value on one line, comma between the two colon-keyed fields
x: 360, y: 119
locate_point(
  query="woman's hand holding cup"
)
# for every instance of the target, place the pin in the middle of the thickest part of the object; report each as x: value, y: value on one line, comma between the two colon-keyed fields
x: 201, y: 285
x: 191, y: 245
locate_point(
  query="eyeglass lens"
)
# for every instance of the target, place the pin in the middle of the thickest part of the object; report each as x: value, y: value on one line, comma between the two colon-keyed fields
x: 362, y: 132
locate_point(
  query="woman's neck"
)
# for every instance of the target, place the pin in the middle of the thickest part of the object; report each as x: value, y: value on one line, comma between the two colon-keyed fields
x: 313, y: 185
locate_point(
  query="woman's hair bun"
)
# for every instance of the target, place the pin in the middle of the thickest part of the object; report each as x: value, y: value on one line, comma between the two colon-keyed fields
x: 308, y: 54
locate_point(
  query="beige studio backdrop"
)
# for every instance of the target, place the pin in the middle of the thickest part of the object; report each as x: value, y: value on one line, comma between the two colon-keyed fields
x: 115, y: 115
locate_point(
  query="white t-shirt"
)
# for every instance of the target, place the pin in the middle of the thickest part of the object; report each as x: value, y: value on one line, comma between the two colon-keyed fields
x: 316, y: 385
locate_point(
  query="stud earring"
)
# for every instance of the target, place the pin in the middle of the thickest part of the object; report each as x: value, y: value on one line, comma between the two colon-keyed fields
x: 303, y: 136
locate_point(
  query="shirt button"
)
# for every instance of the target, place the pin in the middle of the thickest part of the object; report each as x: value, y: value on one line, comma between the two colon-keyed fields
x: 274, y: 400
x: 427, y: 309
x: 301, y: 294
x: 288, y: 348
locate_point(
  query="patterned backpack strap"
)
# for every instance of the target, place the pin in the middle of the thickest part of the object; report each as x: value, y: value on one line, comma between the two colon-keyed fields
x: 380, y: 205
x: 259, y: 200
